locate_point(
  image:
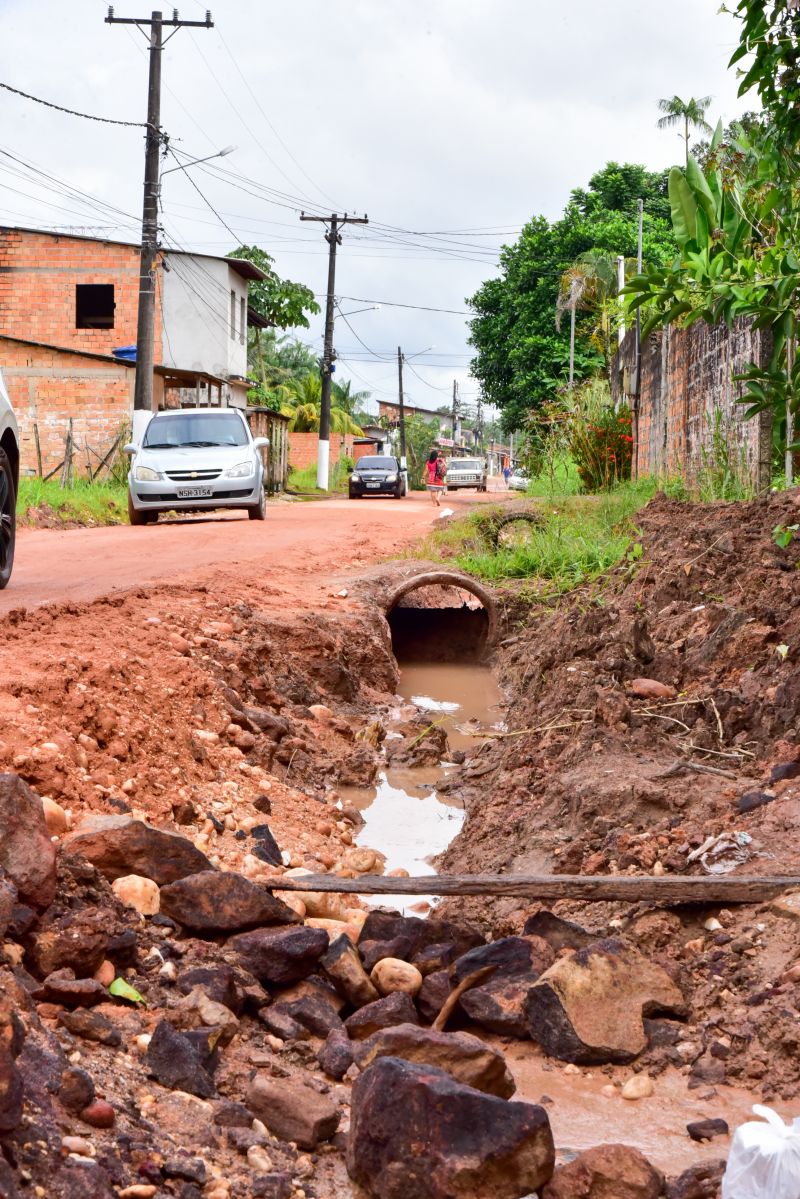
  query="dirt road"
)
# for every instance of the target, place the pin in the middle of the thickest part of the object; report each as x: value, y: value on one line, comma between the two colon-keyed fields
x: 82, y: 564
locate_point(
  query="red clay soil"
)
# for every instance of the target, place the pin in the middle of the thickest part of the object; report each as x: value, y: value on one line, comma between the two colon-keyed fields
x: 593, y: 779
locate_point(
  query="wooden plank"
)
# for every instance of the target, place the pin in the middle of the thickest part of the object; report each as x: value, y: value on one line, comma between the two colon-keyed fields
x: 674, y: 888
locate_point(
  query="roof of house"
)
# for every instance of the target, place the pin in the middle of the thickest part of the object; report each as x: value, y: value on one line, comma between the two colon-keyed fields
x: 184, y: 375
x: 242, y: 266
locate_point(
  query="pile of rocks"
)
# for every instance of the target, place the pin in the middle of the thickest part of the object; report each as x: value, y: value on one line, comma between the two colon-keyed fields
x: 168, y: 1029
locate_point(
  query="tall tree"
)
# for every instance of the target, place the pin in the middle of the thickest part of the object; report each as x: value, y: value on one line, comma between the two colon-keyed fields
x: 280, y: 302
x: 521, y: 358
x: 691, y: 114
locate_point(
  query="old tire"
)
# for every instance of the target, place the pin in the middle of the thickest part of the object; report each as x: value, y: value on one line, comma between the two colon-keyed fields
x: 8, y: 519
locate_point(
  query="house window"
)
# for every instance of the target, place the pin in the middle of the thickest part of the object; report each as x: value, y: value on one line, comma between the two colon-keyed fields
x: 94, y: 306
x: 242, y: 319
x: 233, y: 316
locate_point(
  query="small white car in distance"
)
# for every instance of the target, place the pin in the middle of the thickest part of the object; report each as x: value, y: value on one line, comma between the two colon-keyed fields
x: 194, y: 459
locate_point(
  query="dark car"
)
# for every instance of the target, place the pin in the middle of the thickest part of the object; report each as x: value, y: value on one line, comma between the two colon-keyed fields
x: 377, y: 475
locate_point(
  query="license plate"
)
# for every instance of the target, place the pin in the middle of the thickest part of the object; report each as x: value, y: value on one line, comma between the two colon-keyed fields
x: 194, y: 493
x: 374, y: 485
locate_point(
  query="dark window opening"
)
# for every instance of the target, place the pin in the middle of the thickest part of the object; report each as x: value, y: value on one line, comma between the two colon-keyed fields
x: 94, y: 306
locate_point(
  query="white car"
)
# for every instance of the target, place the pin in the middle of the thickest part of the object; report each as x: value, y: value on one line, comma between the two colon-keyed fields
x: 466, y: 472
x: 192, y: 459
x: 9, y: 483
x: 519, y: 480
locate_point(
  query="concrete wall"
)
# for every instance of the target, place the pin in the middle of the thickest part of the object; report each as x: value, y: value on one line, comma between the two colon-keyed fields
x: 199, y: 332
x: 47, y: 388
x: 688, y: 395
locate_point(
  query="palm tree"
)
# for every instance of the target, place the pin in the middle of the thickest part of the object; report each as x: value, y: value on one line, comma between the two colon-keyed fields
x: 301, y: 401
x: 689, y: 113
x: 590, y: 283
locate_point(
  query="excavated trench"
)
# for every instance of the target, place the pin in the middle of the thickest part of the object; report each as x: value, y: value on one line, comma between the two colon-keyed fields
x: 442, y: 628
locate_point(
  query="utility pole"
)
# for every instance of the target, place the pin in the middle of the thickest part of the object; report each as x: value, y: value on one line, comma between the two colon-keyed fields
x: 401, y: 405
x: 326, y: 366
x: 456, y: 410
x: 145, y: 335
x: 637, y: 391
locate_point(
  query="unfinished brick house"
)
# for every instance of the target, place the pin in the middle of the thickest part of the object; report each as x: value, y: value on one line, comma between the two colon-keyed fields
x: 68, y: 302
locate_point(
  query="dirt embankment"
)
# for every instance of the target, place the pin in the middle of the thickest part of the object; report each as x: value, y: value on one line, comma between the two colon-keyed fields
x: 602, y: 773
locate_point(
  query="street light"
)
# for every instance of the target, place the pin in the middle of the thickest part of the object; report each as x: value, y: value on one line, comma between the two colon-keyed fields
x: 194, y: 162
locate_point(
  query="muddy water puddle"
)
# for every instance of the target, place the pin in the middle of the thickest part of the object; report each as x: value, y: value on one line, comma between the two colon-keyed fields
x: 406, y: 817
x: 582, y: 1116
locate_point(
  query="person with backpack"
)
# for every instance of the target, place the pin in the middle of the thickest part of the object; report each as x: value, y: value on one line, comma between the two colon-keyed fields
x: 432, y: 479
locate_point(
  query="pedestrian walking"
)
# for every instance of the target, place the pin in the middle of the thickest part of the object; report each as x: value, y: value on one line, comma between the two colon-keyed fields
x: 441, y: 471
x: 432, y: 479
x: 507, y: 474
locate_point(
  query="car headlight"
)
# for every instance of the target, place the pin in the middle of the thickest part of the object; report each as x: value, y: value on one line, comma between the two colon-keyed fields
x: 391, y: 478
x: 145, y: 474
x: 240, y: 471
x: 354, y: 478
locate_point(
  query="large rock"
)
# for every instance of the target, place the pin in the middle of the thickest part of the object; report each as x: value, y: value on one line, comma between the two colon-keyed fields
x: 386, y: 934
x: 76, y: 940
x: 397, y: 1008
x: 11, y: 1092
x: 558, y: 933
x: 698, y: 1182
x: 176, y: 1062
x: 589, y: 1008
x: 8, y: 902
x: 499, y: 1003
x: 27, y: 854
x: 292, y: 1111
x: 280, y: 955
x: 416, y: 1133
x: 343, y: 967
x: 606, y: 1172
x: 215, y: 901
x: 468, y: 1059
x: 120, y: 845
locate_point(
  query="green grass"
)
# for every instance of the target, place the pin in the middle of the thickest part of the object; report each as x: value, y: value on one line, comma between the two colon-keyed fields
x: 561, y: 481
x: 82, y: 503
x: 306, y: 480
x: 579, y: 538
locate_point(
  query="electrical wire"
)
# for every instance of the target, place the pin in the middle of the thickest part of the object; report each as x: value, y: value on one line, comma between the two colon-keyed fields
x: 374, y: 353
x: 71, y: 111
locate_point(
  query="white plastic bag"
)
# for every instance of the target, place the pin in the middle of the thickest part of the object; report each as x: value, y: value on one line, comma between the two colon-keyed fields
x: 764, y: 1161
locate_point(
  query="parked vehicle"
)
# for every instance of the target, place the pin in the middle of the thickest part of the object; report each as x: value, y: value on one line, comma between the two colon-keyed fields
x: 192, y: 459
x: 519, y: 479
x: 466, y: 472
x: 377, y: 475
x: 9, y: 483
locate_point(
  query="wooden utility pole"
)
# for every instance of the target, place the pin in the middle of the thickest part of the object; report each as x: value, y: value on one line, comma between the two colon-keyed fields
x: 326, y: 366
x: 401, y: 405
x: 456, y: 410
x: 145, y: 333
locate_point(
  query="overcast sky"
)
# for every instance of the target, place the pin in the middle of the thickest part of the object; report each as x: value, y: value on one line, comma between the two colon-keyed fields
x: 449, y: 122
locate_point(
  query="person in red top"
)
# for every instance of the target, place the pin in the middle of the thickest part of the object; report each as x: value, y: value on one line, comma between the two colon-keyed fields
x: 432, y: 479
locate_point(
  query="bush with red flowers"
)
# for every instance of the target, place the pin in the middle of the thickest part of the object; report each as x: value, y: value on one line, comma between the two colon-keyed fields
x: 602, y: 448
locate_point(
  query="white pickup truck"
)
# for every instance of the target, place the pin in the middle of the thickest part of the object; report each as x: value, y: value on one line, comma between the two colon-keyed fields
x: 466, y: 472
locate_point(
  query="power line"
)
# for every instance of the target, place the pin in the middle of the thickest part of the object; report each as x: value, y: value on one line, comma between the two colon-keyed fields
x: 71, y: 111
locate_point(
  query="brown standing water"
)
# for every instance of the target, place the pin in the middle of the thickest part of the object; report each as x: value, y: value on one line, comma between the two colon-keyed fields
x: 410, y: 822
x: 406, y: 818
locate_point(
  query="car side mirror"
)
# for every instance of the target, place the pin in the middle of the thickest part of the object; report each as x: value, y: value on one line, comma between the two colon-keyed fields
x: 130, y: 448
x: 261, y: 443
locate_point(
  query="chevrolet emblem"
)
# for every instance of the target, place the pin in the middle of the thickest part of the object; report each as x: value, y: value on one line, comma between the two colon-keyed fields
x: 194, y: 474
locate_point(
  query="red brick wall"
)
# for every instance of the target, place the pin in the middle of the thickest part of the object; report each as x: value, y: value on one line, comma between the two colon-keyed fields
x: 303, y: 449
x: 38, y: 276
x: 48, y: 387
x: 688, y: 400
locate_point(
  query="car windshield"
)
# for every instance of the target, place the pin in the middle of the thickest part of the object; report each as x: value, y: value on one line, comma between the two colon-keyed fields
x: 465, y: 464
x: 376, y: 464
x: 180, y: 429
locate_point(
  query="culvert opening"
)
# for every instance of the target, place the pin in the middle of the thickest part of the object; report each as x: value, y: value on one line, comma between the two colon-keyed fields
x: 440, y: 620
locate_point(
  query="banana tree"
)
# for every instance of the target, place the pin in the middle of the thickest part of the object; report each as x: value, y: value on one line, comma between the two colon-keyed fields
x: 737, y: 256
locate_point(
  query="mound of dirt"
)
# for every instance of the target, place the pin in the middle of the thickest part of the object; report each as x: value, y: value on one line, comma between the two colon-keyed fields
x: 654, y: 727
